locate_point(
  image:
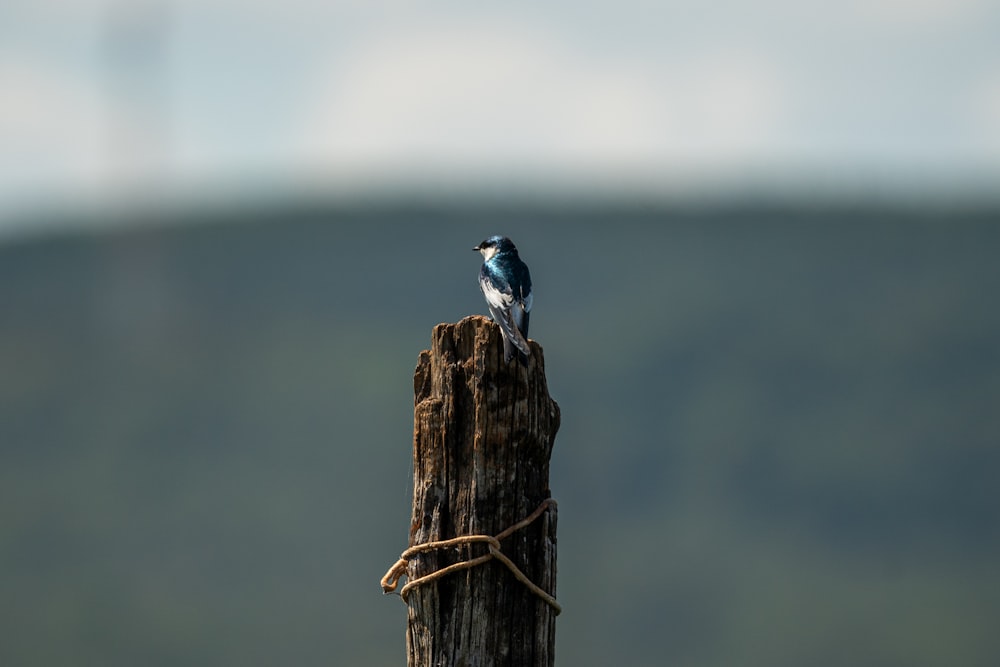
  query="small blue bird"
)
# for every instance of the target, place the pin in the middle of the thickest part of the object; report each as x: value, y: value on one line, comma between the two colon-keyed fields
x: 506, y: 284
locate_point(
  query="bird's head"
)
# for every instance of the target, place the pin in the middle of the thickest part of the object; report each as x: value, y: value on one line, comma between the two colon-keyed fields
x: 493, y: 245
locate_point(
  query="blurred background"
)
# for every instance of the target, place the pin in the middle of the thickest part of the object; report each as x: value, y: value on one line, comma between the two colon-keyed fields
x: 763, y: 240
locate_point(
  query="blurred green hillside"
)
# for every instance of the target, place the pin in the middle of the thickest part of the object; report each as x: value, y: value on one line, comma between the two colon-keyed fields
x: 780, y: 440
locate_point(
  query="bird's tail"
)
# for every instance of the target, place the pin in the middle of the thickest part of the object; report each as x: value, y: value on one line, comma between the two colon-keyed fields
x: 522, y: 326
x: 513, y: 341
x: 510, y: 350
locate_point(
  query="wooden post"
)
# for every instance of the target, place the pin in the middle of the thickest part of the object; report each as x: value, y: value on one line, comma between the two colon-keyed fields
x: 483, y: 435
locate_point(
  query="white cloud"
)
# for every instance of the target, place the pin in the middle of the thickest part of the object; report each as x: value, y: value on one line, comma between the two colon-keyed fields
x: 895, y: 14
x: 50, y: 128
x: 984, y: 113
x: 511, y: 95
x: 733, y: 103
x: 401, y: 88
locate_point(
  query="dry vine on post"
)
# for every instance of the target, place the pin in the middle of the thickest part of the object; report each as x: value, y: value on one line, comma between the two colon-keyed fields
x: 481, y: 567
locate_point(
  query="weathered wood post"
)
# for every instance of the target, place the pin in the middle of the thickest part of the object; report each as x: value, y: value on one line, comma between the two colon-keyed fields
x: 483, y: 435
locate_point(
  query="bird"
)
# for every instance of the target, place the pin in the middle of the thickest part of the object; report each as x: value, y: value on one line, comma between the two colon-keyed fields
x: 506, y: 283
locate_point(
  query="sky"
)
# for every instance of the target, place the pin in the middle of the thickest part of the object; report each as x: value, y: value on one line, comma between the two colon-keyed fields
x: 106, y: 99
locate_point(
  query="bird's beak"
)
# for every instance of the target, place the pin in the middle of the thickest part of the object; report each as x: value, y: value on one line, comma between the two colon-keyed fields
x: 477, y: 248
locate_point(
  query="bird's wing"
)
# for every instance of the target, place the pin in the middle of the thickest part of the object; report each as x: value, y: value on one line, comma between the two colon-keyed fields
x: 526, y: 300
x: 502, y: 316
x: 496, y: 290
x: 522, y: 312
x: 500, y: 298
x: 521, y: 316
